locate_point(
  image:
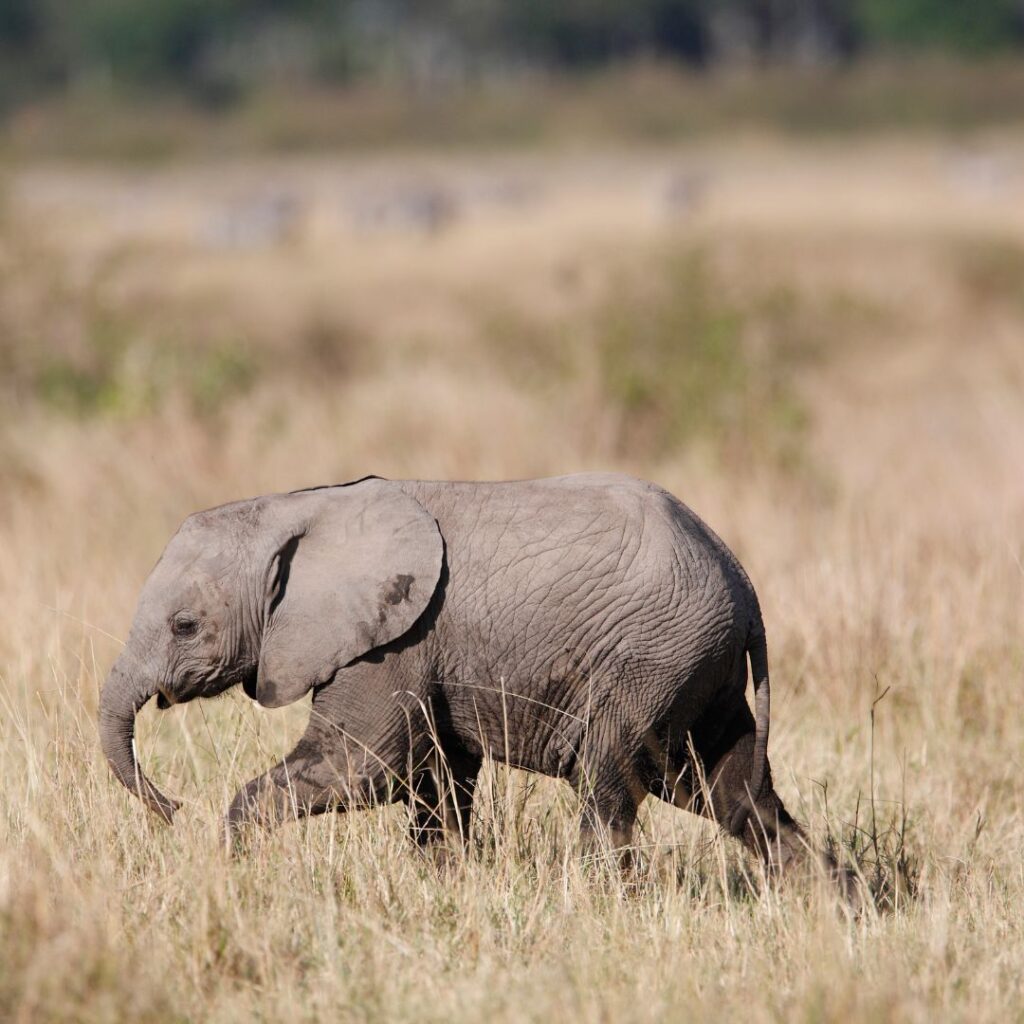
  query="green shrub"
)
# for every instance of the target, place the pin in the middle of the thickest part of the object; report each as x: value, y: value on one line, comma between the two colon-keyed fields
x: 681, y: 359
x: 125, y: 373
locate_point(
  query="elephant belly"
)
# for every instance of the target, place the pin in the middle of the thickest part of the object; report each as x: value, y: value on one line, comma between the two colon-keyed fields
x: 542, y: 717
x: 511, y: 719
x: 531, y: 702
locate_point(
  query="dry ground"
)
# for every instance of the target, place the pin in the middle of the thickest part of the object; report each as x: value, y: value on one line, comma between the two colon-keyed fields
x: 820, y: 348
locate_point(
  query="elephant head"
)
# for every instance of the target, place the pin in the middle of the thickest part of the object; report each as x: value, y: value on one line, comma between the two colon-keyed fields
x: 277, y: 594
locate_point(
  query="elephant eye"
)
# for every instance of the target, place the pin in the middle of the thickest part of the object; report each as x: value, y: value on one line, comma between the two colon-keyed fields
x: 184, y: 625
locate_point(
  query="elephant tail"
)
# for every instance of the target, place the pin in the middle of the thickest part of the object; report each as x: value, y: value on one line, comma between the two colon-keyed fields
x: 757, y: 651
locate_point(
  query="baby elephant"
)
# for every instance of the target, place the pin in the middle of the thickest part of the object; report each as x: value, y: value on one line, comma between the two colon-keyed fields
x: 588, y: 627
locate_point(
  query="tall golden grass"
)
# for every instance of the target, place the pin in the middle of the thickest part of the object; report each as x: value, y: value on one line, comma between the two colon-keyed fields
x: 819, y: 349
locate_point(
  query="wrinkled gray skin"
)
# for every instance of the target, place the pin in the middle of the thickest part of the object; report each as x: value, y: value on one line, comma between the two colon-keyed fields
x: 588, y: 627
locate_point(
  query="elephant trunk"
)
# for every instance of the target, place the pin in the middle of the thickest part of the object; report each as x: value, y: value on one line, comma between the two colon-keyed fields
x: 122, y: 696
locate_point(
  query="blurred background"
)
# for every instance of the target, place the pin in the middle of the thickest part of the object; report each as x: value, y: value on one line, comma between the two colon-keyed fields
x: 769, y: 253
x: 643, y: 224
x: 129, y: 80
x: 317, y: 238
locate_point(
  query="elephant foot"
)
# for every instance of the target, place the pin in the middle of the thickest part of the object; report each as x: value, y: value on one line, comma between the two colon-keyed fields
x: 239, y: 842
x: 838, y: 880
x: 445, y: 857
x: 606, y: 836
x: 789, y: 856
x: 247, y: 820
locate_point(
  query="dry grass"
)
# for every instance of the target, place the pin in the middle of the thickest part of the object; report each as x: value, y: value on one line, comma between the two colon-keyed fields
x: 844, y: 329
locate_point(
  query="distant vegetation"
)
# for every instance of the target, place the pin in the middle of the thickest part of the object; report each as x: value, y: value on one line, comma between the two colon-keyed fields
x: 637, y: 104
x: 217, y: 51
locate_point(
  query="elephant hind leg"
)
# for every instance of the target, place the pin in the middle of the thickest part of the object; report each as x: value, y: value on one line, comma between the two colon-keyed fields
x: 759, y: 820
x: 709, y: 774
x: 610, y: 795
x: 713, y: 779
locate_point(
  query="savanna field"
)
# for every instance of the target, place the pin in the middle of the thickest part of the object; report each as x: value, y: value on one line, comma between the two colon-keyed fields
x: 818, y: 345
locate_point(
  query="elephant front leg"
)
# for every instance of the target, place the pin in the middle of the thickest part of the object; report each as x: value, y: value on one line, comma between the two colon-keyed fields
x: 308, y: 781
x: 441, y: 800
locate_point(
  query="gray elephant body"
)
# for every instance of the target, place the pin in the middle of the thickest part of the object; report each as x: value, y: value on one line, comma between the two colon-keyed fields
x: 587, y: 627
x: 600, y: 606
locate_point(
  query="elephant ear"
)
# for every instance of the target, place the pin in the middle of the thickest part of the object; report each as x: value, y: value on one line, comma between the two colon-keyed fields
x: 352, y: 568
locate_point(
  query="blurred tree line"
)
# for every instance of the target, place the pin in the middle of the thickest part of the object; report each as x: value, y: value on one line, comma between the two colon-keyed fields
x: 217, y: 49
